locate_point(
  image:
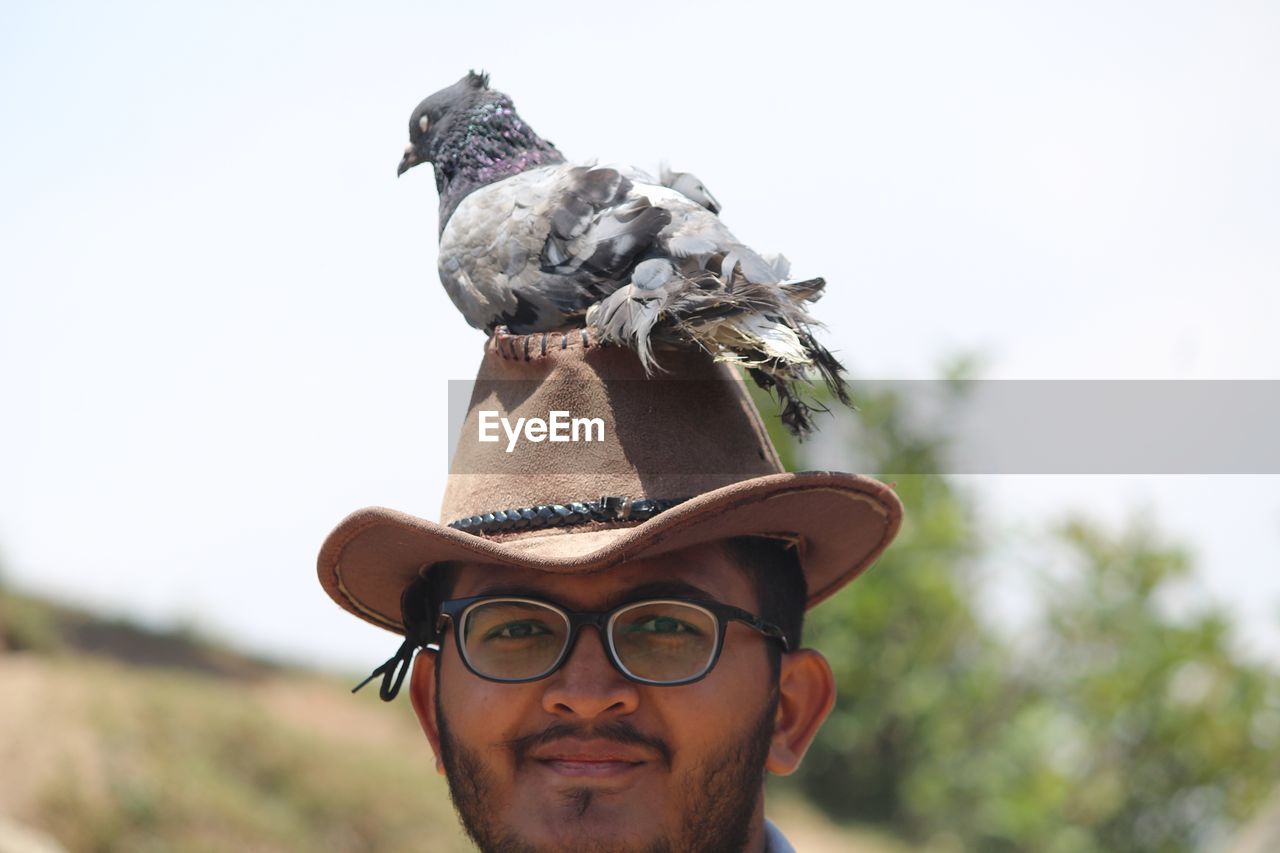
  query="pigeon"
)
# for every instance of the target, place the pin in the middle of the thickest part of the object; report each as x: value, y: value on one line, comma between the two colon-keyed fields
x: 534, y: 243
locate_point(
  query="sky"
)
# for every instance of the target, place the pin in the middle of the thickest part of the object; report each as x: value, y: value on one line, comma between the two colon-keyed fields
x: 221, y: 328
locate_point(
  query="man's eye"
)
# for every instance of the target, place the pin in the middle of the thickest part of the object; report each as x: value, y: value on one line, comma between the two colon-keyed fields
x: 516, y: 631
x: 661, y: 625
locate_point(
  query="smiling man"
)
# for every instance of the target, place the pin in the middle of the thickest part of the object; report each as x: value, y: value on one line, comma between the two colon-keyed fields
x: 649, y: 730
x: 613, y: 673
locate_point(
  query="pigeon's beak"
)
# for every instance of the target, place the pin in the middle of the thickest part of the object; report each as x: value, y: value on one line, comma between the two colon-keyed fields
x: 408, y: 161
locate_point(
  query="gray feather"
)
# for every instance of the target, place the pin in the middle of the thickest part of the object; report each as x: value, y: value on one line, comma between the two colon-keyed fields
x: 688, y: 185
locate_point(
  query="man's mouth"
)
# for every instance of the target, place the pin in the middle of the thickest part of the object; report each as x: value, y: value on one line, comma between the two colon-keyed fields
x: 601, y: 759
x: 590, y: 769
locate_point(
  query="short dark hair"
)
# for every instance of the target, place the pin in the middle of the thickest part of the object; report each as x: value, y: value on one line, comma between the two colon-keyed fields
x: 772, y: 565
x: 774, y: 568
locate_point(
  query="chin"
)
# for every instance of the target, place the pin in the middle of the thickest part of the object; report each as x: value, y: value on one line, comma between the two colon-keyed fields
x: 604, y: 836
x: 584, y: 819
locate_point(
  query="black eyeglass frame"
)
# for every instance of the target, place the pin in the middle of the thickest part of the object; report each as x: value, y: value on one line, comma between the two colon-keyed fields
x: 455, y: 610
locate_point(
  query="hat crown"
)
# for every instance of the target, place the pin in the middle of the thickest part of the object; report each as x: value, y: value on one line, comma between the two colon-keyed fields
x: 559, y: 418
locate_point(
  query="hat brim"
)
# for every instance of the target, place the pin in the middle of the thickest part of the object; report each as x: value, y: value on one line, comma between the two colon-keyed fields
x: 840, y: 523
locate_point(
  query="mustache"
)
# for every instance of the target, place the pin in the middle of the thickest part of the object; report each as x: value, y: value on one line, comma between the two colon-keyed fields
x: 618, y: 731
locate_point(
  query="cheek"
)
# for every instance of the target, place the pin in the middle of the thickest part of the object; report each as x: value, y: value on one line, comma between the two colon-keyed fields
x: 481, y: 713
x: 712, y: 714
x: 744, y: 663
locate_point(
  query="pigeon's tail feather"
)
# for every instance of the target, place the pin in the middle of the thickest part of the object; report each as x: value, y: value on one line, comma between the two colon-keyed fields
x: 741, y: 261
x: 627, y: 316
x: 782, y: 355
x: 795, y: 414
x: 829, y: 368
x: 809, y: 290
x: 762, y: 326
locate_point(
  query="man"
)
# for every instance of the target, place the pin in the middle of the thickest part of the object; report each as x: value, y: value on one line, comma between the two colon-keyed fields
x: 613, y: 673
x: 586, y: 755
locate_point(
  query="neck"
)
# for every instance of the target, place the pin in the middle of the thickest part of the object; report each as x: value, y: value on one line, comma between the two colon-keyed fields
x: 490, y: 143
x: 758, y: 838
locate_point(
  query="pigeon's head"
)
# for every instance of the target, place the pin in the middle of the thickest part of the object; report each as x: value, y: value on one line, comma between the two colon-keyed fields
x: 433, y: 118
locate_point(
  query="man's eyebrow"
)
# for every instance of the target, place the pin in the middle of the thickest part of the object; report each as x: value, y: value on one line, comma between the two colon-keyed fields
x: 508, y: 589
x: 660, y: 589
x: 653, y: 589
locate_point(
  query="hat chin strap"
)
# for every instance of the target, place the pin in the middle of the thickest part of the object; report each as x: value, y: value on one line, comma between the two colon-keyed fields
x: 413, y: 607
x: 392, y: 671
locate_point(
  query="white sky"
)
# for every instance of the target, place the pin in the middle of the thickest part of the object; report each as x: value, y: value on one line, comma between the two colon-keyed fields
x: 221, y: 327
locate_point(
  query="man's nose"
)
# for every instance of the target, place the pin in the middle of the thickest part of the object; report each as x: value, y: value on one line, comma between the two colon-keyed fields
x: 587, y: 685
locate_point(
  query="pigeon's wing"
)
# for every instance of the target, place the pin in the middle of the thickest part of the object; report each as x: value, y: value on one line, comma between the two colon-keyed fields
x: 535, y: 251
x: 598, y: 228
x: 698, y: 237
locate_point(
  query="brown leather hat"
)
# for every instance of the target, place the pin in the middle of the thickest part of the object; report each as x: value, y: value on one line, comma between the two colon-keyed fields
x: 675, y: 460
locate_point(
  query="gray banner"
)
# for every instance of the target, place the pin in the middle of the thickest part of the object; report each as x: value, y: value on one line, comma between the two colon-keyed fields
x: 1042, y: 426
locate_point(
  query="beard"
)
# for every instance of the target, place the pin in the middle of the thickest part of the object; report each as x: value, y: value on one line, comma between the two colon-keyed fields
x: 718, y: 797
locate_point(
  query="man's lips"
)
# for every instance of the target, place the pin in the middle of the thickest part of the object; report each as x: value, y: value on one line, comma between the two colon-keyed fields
x: 590, y: 769
x: 589, y: 758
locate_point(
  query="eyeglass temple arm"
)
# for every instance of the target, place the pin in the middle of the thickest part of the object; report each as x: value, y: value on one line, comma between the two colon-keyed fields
x: 771, y: 631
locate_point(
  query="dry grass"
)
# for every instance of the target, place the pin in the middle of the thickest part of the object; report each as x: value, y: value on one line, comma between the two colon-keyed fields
x: 105, y: 758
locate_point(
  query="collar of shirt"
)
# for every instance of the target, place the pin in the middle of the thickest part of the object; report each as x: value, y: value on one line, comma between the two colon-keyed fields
x: 775, y: 841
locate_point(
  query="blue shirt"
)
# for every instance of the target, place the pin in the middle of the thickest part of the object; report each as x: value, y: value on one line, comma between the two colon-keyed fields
x: 775, y: 841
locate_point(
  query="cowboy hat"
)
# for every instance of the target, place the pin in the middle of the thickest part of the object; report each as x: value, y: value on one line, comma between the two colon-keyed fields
x: 571, y: 460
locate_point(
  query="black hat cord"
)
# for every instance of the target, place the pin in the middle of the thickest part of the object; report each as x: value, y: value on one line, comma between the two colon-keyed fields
x: 414, y: 608
x: 392, y: 671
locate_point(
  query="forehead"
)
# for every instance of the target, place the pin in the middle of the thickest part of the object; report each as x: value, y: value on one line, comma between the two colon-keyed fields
x: 703, y: 571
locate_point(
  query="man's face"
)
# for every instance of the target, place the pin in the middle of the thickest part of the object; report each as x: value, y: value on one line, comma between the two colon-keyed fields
x: 585, y: 759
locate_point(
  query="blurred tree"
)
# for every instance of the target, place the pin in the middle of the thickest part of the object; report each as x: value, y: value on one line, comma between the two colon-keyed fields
x: 1111, y: 726
x: 1164, y: 735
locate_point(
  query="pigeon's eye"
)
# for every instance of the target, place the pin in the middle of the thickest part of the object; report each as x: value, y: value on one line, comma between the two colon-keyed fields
x: 423, y: 124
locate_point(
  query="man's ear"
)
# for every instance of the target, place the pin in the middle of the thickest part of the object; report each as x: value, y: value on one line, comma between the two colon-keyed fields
x: 806, y: 694
x: 422, y: 693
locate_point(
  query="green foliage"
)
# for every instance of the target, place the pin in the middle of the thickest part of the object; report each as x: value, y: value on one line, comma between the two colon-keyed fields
x: 1166, y: 735
x: 1110, y: 726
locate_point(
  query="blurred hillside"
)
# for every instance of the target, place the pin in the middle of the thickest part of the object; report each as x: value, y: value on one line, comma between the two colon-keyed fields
x: 115, y: 738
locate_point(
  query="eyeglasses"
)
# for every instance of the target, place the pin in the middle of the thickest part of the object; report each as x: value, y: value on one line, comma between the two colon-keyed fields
x: 655, y: 641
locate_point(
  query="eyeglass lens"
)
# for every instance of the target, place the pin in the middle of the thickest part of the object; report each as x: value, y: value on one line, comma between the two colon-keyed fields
x: 660, y: 641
